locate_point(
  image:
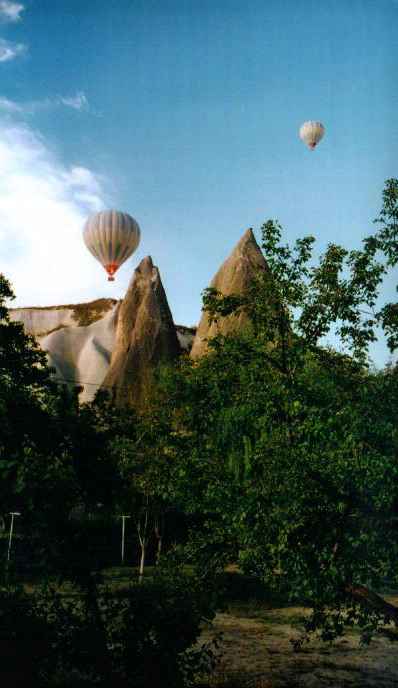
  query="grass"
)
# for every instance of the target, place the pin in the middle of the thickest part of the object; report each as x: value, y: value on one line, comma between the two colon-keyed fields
x: 114, y: 579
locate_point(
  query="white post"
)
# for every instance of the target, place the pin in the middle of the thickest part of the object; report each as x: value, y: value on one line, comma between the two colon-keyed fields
x: 123, y: 517
x: 12, y: 514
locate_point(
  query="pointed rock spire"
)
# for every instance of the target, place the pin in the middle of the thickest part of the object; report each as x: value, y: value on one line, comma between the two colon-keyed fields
x: 145, y: 336
x: 233, y: 277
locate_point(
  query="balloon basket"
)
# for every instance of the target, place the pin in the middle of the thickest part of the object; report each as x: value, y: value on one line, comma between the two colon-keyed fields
x: 111, y: 279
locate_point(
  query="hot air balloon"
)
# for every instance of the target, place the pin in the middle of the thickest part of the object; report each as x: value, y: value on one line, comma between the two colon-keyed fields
x: 311, y: 133
x: 112, y: 237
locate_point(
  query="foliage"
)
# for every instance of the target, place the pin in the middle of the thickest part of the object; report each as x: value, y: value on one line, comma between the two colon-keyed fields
x: 289, y: 461
x: 59, y: 463
x: 155, y: 630
x: 35, y: 469
x: 279, y: 451
x: 53, y: 454
x: 24, y: 640
x: 54, y: 638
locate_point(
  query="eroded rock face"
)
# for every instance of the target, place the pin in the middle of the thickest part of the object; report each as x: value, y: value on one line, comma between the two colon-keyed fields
x: 145, y: 336
x: 186, y: 336
x: 81, y: 355
x: 233, y: 277
x: 118, y: 344
x: 77, y: 338
x: 41, y: 321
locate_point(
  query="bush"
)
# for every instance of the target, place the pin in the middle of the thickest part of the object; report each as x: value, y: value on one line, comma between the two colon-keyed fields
x: 154, y: 631
x: 24, y: 640
x: 144, y: 637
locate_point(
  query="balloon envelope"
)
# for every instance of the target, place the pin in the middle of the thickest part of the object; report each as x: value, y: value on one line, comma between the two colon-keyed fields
x: 311, y: 133
x: 111, y: 236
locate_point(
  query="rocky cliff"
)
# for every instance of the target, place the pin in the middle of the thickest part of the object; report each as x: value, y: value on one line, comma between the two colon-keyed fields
x: 233, y: 277
x: 117, y: 344
x: 42, y: 321
x: 145, y: 337
x: 79, y: 340
x: 81, y: 355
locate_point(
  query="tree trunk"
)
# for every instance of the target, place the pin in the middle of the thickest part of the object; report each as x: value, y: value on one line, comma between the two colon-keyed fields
x: 142, y: 562
x: 142, y: 529
x: 374, y: 602
x: 159, y: 550
x: 159, y: 528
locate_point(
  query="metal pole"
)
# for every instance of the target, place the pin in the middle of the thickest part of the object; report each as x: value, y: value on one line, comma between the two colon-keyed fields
x: 12, y: 514
x: 123, y: 517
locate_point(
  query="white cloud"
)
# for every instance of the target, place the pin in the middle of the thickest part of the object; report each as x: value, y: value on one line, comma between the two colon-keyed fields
x: 77, y: 102
x: 43, y: 206
x: 10, y: 11
x: 10, y: 106
x: 9, y: 50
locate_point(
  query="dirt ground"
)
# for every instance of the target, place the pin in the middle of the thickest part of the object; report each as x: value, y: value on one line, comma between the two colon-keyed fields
x: 257, y: 653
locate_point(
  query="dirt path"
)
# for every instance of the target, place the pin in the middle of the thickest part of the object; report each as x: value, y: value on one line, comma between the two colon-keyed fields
x: 257, y: 653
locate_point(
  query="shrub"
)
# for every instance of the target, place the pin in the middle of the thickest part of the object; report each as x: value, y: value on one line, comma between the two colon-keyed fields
x: 144, y: 637
x: 154, y: 631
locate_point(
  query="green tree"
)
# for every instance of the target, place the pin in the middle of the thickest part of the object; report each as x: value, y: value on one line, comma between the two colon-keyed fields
x: 144, y: 465
x: 291, y: 457
x: 53, y: 459
x: 55, y: 456
x: 34, y: 466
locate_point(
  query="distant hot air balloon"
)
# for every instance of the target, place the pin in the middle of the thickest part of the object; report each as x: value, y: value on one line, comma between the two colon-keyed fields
x: 311, y: 133
x: 112, y: 237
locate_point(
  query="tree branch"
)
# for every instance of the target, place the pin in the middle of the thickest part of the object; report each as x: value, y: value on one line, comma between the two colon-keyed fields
x: 369, y: 599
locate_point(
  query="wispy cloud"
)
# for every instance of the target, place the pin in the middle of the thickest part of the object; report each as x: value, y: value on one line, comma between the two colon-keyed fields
x: 9, y: 50
x: 10, y: 106
x: 43, y: 206
x: 10, y: 11
x: 77, y: 102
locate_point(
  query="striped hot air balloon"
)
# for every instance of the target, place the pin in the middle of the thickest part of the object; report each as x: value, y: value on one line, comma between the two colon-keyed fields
x: 112, y: 237
x: 311, y: 133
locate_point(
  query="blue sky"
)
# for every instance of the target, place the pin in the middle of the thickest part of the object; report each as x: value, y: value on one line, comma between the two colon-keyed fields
x: 186, y: 115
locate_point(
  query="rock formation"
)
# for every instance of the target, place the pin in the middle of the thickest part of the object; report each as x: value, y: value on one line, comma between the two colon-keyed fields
x: 119, y: 343
x: 43, y: 320
x: 81, y: 355
x: 78, y: 340
x: 145, y: 337
x: 186, y: 336
x: 233, y: 277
